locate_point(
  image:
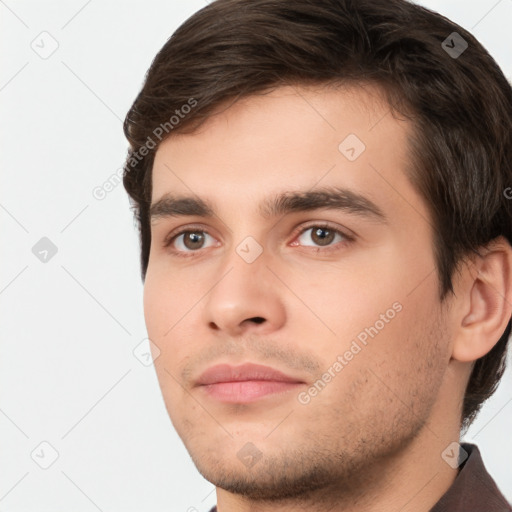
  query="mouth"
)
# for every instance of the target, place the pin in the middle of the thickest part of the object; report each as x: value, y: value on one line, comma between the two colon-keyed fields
x: 246, y: 383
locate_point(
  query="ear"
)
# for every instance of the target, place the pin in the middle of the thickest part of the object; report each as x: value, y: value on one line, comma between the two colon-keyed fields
x: 486, y: 302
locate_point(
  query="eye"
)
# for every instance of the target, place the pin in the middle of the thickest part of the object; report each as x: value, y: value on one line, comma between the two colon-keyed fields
x: 322, y: 235
x: 191, y: 240
x: 188, y: 240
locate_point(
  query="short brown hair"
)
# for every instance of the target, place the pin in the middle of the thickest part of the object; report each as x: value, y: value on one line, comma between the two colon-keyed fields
x: 461, y: 107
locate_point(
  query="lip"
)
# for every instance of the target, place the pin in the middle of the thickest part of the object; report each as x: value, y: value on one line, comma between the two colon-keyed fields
x: 248, y: 371
x: 245, y: 383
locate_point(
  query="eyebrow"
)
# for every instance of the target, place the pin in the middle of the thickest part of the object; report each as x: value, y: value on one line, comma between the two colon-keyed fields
x: 331, y: 198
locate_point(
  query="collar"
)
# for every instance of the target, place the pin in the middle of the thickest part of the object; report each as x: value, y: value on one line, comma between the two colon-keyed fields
x: 473, y: 490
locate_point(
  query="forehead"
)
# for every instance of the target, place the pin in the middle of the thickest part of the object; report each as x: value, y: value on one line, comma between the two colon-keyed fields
x: 293, y: 138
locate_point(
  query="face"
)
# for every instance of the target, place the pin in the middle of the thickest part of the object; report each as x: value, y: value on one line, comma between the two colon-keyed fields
x: 336, y: 288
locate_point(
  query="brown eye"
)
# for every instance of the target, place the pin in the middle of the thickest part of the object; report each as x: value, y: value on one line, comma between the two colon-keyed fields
x: 188, y: 241
x: 193, y: 239
x: 322, y: 236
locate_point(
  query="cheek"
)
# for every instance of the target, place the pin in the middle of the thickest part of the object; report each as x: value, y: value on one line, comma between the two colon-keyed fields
x: 165, y: 297
x: 169, y: 312
x: 380, y: 320
x: 161, y: 311
x: 155, y: 306
x: 347, y: 298
x: 393, y: 377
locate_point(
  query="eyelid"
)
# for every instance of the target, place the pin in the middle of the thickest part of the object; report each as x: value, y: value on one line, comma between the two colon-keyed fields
x: 346, y: 233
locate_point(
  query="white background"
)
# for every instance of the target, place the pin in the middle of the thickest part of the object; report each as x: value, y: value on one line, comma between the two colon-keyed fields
x: 68, y: 375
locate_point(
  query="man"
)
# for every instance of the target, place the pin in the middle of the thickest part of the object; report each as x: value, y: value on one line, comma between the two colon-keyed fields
x: 325, y: 246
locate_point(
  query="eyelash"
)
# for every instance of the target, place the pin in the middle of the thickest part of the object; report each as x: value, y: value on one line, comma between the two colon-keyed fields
x: 322, y: 225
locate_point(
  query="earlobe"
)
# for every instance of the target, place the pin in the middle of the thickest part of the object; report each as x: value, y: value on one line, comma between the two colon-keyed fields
x: 488, y: 303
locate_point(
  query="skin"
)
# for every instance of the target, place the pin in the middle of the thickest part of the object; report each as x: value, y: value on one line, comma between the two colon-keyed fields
x: 372, y: 439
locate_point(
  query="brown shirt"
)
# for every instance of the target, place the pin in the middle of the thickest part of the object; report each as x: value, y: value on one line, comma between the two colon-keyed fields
x: 473, y: 490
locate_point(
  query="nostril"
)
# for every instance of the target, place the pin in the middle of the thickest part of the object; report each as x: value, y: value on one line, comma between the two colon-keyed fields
x: 257, y: 319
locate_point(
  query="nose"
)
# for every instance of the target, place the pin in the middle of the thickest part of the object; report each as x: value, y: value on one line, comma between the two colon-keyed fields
x: 246, y: 299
